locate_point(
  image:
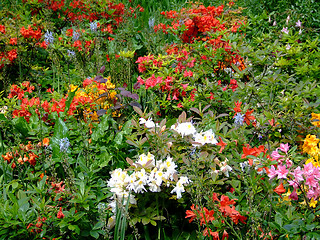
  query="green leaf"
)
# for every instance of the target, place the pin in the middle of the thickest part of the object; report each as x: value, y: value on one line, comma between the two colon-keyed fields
x: 94, y: 234
x: 60, y: 129
x: 278, y: 219
x: 21, y: 125
x: 69, y: 100
x: 98, y: 225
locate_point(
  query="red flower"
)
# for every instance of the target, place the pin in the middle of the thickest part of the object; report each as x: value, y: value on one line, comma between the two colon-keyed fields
x: 12, y: 54
x: 13, y: 41
x: 2, y: 29
x: 60, y: 213
x: 191, y: 214
x: 221, y: 144
x: 248, y: 118
x: 237, y: 109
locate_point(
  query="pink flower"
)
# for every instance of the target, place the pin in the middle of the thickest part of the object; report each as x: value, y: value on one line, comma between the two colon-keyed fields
x: 140, y: 80
x: 298, y: 174
x: 298, y: 24
x: 285, y: 30
x: 308, y: 169
x: 282, y: 171
x: 284, y: 147
x: 316, y: 173
x: 275, y: 155
x: 272, y: 172
x: 311, y: 182
x: 294, y: 184
x: 188, y: 73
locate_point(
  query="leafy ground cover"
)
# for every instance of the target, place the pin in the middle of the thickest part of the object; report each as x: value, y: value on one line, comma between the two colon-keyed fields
x: 159, y: 120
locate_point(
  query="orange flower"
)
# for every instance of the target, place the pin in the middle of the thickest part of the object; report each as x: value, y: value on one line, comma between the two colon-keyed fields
x: 45, y: 142
x: 280, y: 189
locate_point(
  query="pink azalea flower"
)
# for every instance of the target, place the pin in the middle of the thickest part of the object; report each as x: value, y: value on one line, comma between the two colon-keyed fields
x: 311, y: 182
x: 272, y: 172
x: 316, y: 173
x: 275, y: 155
x: 298, y: 174
x: 282, y: 171
x: 284, y: 147
x: 298, y: 24
x: 308, y: 169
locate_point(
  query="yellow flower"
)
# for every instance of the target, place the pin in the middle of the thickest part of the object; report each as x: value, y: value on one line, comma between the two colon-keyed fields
x: 316, y: 117
x: 314, y: 161
x: 313, y: 203
x: 310, y: 145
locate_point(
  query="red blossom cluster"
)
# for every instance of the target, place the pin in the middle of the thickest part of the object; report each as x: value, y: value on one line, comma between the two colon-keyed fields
x: 8, y: 57
x: 31, y: 33
x: 26, y: 154
x: 196, y: 22
x: 36, y: 228
x: 226, y: 209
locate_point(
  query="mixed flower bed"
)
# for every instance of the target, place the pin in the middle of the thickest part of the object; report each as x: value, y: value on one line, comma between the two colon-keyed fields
x: 122, y: 121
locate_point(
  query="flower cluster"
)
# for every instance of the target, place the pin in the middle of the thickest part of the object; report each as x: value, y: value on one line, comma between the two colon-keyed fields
x: 202, y: 138
x: 25, y: 154
x: 93, y: 96
x: 148, y: 174
x: 306, y: 178
x: 206, y: 216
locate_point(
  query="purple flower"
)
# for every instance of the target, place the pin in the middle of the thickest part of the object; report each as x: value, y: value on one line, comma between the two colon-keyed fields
x: 293, y: 195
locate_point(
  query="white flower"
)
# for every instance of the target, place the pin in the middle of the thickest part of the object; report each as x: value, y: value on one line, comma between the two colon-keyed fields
x: 288, y: 19
x: 185, y: 129
x: 139, y: 186
x: 225, y: 168
x: 205, y: 137
x: 274, y: 23
x: 147, y: 123
x: 300, y: 31
x: 144, y: 159
x: 179, y: 188
x: 288, y: 46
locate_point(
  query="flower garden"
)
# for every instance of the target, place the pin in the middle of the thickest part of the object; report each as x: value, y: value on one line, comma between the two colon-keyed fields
x: 159, y: 119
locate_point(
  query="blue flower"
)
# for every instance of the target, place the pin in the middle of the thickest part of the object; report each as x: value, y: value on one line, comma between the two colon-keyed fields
x: 238, y: 119
x: 75, y: 36
x: 64, y: 144
x: 71, y: 53
x: 93, y: 26
x: 48, y: 37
